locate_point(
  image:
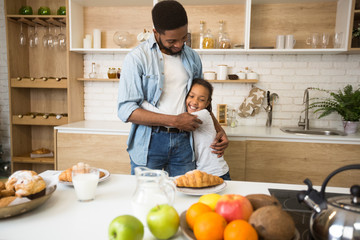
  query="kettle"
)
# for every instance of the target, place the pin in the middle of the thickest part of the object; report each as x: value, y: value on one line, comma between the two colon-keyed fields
x: 336, y: 217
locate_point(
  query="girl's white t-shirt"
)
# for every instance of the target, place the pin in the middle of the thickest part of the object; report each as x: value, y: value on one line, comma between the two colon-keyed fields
x: 172, y: 100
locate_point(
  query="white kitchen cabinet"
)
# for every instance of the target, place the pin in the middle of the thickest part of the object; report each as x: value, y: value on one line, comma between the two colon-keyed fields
x: 251, y: 23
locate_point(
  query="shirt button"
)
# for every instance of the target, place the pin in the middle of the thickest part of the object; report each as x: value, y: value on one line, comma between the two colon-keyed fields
x: 160, y: 59
x: 162, y: 73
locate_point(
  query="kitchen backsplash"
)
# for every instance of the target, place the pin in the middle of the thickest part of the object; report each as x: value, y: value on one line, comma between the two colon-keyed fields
x: 286, y: 75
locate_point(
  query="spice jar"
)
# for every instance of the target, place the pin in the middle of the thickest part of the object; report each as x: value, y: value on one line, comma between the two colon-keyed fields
x: 118, y: 73
x: 111, y: 73
x: 209, y: 41
x: 224, y: 41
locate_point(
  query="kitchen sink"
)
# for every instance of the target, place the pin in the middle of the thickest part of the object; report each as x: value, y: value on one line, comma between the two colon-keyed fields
x: 313, y: 131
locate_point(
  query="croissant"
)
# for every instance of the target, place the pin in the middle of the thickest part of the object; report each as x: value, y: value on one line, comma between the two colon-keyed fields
x: 198, y: 179
x: 66, y: 176
x: 26, y: 183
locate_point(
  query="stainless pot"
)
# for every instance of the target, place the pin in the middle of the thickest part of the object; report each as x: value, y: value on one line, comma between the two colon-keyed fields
x: 337, y: 217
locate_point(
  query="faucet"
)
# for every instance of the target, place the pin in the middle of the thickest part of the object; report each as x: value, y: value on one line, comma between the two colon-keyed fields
x: 305, y: 122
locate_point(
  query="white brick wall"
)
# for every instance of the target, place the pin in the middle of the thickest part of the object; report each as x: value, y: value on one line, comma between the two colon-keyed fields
x: 4, y: 95
x: 286, y: 75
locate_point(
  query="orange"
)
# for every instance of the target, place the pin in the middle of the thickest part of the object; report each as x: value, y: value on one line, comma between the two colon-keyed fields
x: 209, y: 226
x: 194, y: 211
x: 240, y: 230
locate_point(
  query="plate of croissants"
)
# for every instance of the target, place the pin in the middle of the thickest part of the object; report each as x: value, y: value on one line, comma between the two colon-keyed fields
x: 65, y: 177
x: 198, y: 183
x: 23, y: 191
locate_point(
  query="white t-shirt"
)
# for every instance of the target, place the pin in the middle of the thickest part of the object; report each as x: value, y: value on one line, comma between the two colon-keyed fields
x: 203, y: 137
x: 172, y: 100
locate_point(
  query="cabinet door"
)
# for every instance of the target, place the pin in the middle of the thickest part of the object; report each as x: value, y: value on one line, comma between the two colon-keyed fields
x: 235, y: 158
x: 102, y: 151
x: 290, y: 162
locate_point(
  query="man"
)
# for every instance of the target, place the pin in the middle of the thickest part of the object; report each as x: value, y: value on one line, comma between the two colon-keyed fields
x: 160, y: 71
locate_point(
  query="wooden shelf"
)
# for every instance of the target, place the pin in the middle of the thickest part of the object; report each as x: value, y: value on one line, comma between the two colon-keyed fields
x: 43, y: 20
x: 98, y: 79
x: 28, y: 159
x: 38, y: 83
x: 235, y: 81
x: 39, y: 120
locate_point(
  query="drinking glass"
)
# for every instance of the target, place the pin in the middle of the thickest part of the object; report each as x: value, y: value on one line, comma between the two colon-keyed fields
x: 85, y: 181
x: 325, y: 40
x: 22, y: 36
x: 337, y: 39
x: 34, y: 38
x: 313, y: 40
x: 55, y: 39
x: 48, y: 39
x: 62, y: 40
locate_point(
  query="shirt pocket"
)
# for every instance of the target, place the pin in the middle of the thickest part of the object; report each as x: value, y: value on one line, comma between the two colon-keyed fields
x: 150, y: 86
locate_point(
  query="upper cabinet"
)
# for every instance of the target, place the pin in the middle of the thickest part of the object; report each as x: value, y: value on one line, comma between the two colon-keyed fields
x: 354, y: 42
x: 253, y: 26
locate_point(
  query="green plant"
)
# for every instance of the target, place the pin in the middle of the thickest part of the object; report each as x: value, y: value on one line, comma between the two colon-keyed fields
x: 356, y: 32
x: 345, y: 102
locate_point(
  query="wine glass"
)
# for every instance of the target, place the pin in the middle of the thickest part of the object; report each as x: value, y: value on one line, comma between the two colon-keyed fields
x: 22, y: 36
x: 34, y: 38
x: 325, y: 40
x: 62, y: 40
x: 55, y: 39
x: 48, y: 39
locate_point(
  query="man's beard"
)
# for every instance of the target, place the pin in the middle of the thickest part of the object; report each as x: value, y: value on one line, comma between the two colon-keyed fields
x: 169, y: 49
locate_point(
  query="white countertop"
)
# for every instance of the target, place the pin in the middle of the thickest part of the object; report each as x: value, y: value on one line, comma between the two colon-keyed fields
x: 63, y: 217
x: 239, y: 133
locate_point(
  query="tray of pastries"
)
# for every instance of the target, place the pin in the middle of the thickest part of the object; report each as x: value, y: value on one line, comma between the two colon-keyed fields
x: 24, y: 190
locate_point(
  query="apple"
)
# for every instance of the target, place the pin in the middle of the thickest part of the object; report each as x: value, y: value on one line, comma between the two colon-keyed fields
x: 163, y: 221
x: 126, y: 227
x: 234, y: 206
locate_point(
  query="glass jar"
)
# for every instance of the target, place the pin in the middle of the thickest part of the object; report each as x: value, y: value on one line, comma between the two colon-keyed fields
x: 209, y: 41
x: 225, y: 41
x: 111, y: 73
x: 118, y: 72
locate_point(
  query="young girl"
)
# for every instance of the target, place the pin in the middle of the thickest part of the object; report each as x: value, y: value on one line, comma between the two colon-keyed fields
x: 198, y: 102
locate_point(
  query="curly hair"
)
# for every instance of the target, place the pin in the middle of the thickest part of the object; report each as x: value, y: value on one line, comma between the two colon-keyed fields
x: 168, y: 15
x: 208, y: 86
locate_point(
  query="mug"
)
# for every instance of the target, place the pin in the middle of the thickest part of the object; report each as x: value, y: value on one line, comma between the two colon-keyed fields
x: 289, y: 41
x: 222, y: 72
x: 280, y: 41
x: 209, y: 75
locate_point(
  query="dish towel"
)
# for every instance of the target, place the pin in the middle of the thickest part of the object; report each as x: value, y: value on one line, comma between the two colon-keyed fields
x: 252, y: 103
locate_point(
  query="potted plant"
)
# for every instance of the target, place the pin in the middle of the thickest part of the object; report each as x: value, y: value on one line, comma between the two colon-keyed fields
x: 345, y: 102
x: 356, y: 37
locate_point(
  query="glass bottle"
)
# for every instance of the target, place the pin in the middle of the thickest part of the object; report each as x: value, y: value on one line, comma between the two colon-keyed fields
x: 220, y: 34
x: 209, y: 41
x: 93, y: 73
x: 201, y: 34
x: 225, y: 41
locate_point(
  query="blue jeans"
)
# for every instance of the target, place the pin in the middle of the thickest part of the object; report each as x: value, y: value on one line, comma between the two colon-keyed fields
x: 170, y: 152
x: 226, y: 176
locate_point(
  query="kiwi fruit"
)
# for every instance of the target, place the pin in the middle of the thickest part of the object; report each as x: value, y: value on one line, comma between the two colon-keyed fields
x: 261, y: 200
x: 272, y: 223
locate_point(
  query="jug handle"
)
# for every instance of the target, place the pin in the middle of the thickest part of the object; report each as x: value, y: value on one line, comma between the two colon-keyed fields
x: 170, y: 190
x: 347, y: 167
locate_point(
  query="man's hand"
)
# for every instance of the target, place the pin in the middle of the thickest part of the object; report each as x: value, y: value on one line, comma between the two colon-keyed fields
x: 187, y: 122
x: 220, y: 143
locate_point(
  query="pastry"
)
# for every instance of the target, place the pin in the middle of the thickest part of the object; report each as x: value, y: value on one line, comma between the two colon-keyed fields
x: 26, y: 183
x: 41, y: 151
x: 2, y: 186
x: 4, y: 202
x: 198, y: 179
x: 7, y: 193
x: 66, y: 176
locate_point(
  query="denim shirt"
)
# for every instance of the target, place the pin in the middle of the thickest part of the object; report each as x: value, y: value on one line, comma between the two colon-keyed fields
x: 142, y: 78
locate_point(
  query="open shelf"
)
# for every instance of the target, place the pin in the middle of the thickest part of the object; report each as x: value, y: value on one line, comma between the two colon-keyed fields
x: 43, y: 20
x: 39, y: 120
x: 234, y: 81
x: 28, y: 159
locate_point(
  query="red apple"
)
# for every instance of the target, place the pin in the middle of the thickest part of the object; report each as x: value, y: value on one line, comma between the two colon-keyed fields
x: 234, y: 206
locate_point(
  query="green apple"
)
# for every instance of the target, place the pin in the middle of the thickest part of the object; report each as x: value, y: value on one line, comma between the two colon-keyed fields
x: 163, y: 221
x: 126, y: 227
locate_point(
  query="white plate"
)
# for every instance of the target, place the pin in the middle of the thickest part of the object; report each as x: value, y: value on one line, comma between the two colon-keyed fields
x: 104, y: 178
x: 202, y: 191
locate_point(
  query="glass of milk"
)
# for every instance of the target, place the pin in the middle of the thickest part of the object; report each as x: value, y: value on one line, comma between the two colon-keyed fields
x: 85, y: 181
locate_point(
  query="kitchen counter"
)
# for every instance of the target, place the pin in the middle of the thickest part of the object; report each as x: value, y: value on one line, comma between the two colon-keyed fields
x: 63, y: 217
x: 239, y: 133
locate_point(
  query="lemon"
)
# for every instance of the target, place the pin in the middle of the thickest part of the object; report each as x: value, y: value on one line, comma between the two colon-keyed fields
x: 210, y: 199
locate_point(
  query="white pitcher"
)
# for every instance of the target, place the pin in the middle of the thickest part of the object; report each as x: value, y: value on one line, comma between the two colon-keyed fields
x: 153, y: 188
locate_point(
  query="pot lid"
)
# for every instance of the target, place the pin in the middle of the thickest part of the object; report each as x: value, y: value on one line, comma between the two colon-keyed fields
x: 345, y: 202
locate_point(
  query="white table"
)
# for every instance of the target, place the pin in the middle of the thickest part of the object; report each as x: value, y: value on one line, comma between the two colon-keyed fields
x: 63, y: 217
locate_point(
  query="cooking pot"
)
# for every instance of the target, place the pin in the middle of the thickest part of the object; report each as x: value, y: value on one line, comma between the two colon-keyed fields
x: 337, y: 217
